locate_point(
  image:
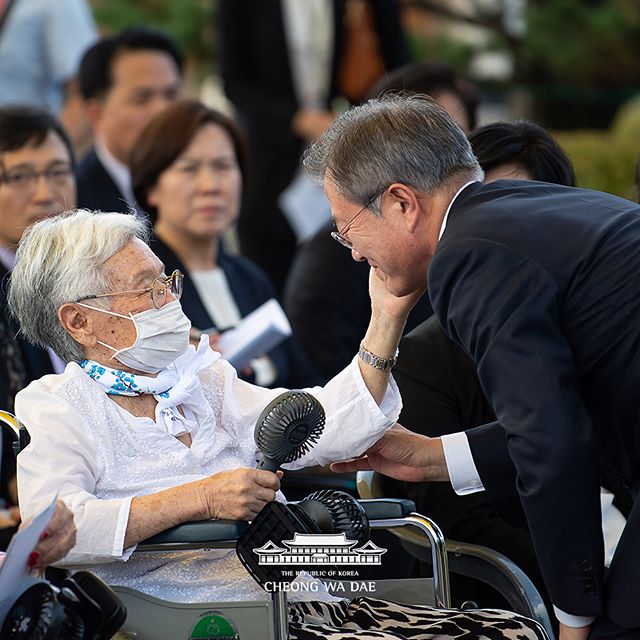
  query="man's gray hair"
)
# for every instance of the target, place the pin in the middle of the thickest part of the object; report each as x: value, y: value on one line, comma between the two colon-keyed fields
x: 395, y: 138
x: 60, y: 259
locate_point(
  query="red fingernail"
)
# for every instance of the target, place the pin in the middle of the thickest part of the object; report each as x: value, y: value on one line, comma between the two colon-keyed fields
x: 44, y: 536
x: 33, y: 558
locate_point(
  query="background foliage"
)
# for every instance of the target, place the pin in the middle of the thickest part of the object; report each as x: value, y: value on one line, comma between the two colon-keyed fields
x: 605, y: 160
x: 190, y: 22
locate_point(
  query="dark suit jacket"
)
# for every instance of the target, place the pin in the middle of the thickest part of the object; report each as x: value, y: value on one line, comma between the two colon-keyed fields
x: 327, y: 301
x: 250, y: 288
x: 539, y: 283
x: 441, y: 394
x: 257, y: 77
x: 21, y: 362
x: 96, y: 188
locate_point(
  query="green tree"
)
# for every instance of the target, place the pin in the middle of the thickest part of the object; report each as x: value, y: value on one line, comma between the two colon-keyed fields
x: 189, y: 22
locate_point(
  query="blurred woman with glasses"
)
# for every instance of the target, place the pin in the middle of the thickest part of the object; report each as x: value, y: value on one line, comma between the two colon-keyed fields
x: 188, y: 171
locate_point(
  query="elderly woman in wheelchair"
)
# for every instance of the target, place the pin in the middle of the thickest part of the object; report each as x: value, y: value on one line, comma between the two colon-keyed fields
x: 142, y: 432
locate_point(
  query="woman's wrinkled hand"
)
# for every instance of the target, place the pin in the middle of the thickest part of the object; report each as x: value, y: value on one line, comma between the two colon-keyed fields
x: 57, y: 540
x: 391, y: 305
x: 239, y: 494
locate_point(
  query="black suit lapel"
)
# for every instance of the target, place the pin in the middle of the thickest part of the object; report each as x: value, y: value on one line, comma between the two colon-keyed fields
x: 96, y: 188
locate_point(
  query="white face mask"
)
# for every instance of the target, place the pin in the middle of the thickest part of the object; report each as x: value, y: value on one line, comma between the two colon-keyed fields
x: 161, y: 336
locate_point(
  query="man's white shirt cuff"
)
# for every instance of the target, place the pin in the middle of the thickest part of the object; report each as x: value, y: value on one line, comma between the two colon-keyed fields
x: 463, y: 474
x: 570, y: 620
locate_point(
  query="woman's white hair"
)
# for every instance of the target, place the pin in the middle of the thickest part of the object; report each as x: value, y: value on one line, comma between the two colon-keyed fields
x: 60, y: 259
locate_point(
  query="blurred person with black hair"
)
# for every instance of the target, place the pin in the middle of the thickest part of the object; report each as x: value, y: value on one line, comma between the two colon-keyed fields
x: 284, y: 62
x: 521, y: 150
x: 125, y: 80
x: 440, y: 81
x: 36, y: 181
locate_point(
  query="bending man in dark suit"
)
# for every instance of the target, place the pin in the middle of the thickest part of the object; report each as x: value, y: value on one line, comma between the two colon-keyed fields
x: 539, y: 284
x: 441, y: 392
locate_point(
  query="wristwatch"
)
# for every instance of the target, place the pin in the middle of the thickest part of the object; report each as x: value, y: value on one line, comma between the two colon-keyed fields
x: 384, y: 364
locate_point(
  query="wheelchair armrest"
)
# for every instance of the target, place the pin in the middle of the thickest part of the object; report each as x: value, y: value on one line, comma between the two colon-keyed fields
x: 387, y: 508
x: 196, y: 535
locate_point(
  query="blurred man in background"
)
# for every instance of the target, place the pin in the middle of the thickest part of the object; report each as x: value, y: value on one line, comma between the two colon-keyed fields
x: 125, y: 80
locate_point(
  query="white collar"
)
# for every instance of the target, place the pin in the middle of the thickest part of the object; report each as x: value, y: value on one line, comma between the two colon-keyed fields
x: 446, y: 215
x: 177, y: 385
x: 118, y: 171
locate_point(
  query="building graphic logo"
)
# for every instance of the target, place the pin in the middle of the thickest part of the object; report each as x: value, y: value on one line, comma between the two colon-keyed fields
x: 319, y: 549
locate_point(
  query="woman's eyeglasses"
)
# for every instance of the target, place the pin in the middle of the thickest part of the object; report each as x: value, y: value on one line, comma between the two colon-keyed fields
x: 161, y: 288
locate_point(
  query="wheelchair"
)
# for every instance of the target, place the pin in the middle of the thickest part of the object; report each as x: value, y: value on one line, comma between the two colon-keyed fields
x: 151, y: 618
x: 473, y: 561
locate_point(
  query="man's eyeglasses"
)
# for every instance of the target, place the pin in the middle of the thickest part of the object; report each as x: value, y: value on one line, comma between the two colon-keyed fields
x: 57, y: 175
x: 160, y: 289
x: 339, y: 236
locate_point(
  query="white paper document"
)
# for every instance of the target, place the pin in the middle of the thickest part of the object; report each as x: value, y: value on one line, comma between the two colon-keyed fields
x: 263, y: 329
x: 14, y: 568
x: 305, y: 207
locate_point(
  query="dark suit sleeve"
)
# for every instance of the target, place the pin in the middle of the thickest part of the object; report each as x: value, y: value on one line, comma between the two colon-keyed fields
x: 488, y: 444
x: 441, y: 394
x: 506, y: 310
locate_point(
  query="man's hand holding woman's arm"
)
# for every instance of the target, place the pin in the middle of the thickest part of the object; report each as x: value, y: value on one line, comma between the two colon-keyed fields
x: 403, y: 455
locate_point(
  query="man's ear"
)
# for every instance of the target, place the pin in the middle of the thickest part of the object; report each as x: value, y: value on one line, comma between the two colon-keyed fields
x: 77, y: 323
x: 407, y: 203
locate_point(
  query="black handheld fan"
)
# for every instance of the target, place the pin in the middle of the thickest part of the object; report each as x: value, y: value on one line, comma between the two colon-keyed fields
x: 288, y: 427
x: 344, y: 512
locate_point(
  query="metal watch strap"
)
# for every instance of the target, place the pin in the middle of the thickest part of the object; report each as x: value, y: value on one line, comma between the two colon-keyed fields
x: 383, y: 364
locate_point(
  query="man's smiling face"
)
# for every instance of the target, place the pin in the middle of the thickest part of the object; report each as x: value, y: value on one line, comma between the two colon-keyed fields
x: 391, y: 242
